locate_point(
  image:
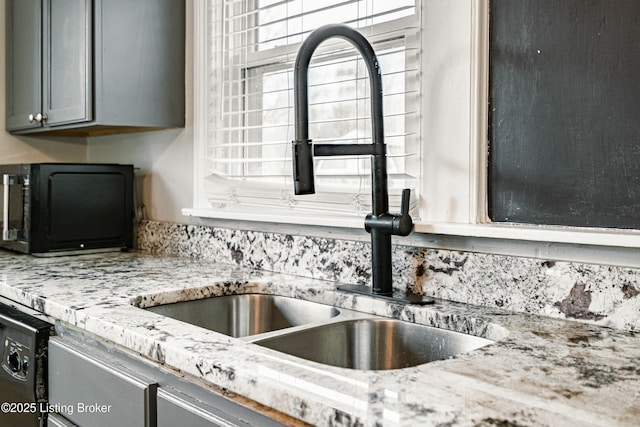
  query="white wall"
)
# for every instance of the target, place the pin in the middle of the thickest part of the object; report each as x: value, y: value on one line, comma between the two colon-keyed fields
x: 165, y: 160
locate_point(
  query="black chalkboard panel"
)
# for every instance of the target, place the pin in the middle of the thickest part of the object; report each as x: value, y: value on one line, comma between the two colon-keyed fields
x: 564, y: 137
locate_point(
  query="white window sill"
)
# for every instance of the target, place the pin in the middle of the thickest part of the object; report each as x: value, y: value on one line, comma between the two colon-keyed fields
x: 516, y: 232
x: 538, y: 233
x: 274, y: 217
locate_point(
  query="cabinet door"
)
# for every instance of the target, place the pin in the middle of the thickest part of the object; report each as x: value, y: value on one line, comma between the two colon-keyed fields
x: 24, y: 63
x: 91, y: 391
x: 67, y: 62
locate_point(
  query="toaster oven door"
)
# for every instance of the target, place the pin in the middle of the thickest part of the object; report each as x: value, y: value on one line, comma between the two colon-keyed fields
x: 80, y: 207
x: 14, y: 188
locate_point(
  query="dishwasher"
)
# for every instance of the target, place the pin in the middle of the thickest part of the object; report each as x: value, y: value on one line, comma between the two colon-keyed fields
x: 24, y: 336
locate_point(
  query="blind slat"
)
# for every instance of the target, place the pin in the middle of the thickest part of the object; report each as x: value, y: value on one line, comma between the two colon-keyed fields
x: 287, y: 159
x: 288, y: 143
x: 313, y: 122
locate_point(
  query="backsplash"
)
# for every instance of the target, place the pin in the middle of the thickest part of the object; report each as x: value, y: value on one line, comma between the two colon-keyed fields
x: 604, y: 295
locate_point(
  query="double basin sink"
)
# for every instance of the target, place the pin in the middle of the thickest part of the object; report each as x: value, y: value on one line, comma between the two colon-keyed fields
x: 322, y: 333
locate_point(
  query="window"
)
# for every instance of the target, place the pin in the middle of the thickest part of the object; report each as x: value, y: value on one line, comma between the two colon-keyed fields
x: 251, y: 46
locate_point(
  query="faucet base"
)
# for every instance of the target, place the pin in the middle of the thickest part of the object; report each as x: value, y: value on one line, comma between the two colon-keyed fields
x: 403, y: 298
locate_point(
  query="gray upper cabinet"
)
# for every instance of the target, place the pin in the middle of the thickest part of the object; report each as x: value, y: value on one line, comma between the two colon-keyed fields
x: 94, y: 67
x: 24, y: 62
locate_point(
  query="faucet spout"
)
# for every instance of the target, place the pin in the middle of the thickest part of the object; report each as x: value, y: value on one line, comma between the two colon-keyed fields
x: 302, y: 151
x: 379, y: 223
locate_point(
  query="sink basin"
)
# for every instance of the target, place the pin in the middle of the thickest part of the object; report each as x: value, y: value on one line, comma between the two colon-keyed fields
x: 248, y: 314
x: 374, y: 344
x: 322, y: 333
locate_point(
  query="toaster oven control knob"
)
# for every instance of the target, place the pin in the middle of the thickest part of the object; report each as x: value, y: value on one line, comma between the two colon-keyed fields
x: 15, y: 364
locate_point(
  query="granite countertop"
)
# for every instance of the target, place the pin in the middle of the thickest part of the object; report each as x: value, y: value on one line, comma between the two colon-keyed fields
x: 541, y: 371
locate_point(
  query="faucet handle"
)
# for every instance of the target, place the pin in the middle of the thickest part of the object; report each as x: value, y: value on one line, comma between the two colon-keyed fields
x: 403, y: 224
x: 404, y: 202
x: 396, y: 224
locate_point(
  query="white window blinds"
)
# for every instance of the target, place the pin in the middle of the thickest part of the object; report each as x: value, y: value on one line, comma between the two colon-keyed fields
x: 251, y: 48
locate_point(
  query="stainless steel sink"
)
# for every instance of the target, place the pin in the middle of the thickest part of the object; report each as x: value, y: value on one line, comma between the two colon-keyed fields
x: 322, y: 333
x: 247, y: 314
x: 374, y: 344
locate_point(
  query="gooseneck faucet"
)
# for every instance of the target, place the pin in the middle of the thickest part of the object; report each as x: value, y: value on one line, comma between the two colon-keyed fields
x: 380, y: 223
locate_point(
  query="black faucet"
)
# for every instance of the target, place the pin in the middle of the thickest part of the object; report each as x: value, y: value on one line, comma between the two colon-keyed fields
x: 380, y: 223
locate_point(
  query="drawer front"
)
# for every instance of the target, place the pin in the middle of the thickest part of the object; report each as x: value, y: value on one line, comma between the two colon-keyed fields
x: 90, y: 391
x: 174, y: 410
x: 57, y: 420
x: 186, y: 406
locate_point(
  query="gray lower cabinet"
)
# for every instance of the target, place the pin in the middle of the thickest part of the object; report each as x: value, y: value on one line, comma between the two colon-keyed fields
x: 176, y: 409
x: 184, y: 404
x: 94, y: 385
x: 90, y: 390
x: 57, y: 420
x: 92, y: 67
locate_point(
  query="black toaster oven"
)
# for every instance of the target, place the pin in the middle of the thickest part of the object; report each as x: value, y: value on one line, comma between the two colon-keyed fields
x: 62, y: 208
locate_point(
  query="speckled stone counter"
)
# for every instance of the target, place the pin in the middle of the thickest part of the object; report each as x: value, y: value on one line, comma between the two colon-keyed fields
x: 541, y: 371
